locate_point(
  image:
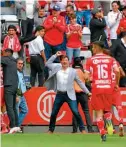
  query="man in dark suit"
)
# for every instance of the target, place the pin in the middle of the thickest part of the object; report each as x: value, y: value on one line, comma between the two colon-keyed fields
x: 118, y: 50
x: 10, y: 87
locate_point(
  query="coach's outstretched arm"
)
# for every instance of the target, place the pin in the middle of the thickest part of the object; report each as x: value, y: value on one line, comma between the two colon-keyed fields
x: 50, y: 61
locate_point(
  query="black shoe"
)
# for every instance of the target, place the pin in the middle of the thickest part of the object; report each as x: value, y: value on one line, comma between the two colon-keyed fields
x: 74, y: 132
x: 103, y: 137
x: 91, y: 131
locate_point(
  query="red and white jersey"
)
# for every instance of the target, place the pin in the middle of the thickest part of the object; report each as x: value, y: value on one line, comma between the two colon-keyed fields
x: 101, y: 68
x: 1, y: 76
x: 114, y: 74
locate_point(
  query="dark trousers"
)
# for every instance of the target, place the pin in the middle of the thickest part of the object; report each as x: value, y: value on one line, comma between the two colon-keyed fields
x: 51, y: 50
x: 59, y: 100
x: 26, y: 31
x: 113, y: 41
x: 83, y: 100
x: 123, y: 82
x: 10, y: 102
x: 37, y: 67
x: 27, y: 27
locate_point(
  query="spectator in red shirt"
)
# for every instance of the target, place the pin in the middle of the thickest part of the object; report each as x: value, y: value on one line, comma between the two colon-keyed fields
x: 74, y: 34
x: 122, y: 24
x: 42, y: 3
x: 12, y: 41
x: 84, y: 11
x: 55, y: 28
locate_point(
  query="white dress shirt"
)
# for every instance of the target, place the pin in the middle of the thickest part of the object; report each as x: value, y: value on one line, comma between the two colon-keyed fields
x: 30, y: 8
x: 36, y: 46
x: 62, y: 79
x: 113, y: 23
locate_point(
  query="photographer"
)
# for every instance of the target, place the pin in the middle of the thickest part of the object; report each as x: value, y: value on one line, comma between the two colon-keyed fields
x: 81, y: 96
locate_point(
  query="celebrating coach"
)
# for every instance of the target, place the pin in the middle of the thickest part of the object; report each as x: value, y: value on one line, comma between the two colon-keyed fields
x: 61, y: 80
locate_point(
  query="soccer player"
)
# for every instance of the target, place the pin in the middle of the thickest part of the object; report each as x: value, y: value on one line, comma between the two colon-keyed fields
x: 116, y: 97
x: 4, y: 118
x: 101, y: 67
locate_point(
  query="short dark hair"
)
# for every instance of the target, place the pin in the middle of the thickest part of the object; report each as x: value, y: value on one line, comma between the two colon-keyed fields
x: 9, y: 50
x: 39, y: 28
x: 99, y: 43
x: 18, y: 59
x: 63, y: 57
x: 71, y: 6
x: 41, y: 7
x: 123, y: 34
x: 117, y: 2
x: 12, y: 27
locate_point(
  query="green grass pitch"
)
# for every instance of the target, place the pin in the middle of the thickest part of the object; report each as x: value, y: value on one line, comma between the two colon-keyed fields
x: 61, y: 140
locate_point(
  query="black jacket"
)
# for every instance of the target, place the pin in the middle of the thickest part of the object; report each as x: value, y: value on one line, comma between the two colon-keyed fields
x: 97, y: 29
x: 118, y: 50
x: 9, y: 71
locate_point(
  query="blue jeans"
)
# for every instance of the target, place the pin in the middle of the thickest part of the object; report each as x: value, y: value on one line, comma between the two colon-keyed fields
x: 72, y: 53
x: 51, y: 50
x: 59, y: 100
x: 83, y: 16
x: 22, y: 110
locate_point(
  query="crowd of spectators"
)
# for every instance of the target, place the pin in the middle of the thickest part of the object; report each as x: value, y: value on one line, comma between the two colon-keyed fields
x: 56, y: 25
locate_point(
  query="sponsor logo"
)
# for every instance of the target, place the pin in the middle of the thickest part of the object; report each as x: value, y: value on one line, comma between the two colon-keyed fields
x: 45, y: 105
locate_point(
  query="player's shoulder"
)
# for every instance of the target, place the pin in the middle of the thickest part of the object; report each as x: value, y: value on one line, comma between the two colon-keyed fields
x: 113, y: 59
x: 99, y: 56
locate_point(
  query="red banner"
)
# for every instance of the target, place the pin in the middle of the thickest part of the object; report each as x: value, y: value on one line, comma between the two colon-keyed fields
x: 40, y: 102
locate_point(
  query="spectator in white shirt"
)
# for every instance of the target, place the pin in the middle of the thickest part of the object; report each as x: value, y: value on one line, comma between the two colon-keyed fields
x: 113, y: 19
x: 25, y: 14
x: 39, y: 17
x: 37, y: 57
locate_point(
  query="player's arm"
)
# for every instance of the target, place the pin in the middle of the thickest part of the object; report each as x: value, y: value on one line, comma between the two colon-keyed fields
x: 87, y: 69
x: 117, y: 71
x: 122, y: 73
